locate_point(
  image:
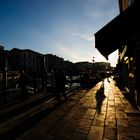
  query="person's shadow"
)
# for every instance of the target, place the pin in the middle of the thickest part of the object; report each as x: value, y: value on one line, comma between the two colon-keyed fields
x: 99, y: 99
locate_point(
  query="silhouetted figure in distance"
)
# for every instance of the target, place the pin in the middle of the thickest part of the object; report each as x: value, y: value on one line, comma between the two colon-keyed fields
x: 22, y: 84
x: 60, y: 80
x: 103, y: 76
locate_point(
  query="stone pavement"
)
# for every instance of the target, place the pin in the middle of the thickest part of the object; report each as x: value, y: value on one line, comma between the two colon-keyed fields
x: 88, y: 115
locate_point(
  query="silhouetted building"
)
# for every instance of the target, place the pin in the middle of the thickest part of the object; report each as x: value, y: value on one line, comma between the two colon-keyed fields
x: 26, y: 60
x: 53, y: 62
x: 70, y: 68
x: 123, y: 33
x: 102, y: 66
x: 84, y: 66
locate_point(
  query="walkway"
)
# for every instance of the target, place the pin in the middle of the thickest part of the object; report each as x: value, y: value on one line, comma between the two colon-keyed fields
x: 80, y: 118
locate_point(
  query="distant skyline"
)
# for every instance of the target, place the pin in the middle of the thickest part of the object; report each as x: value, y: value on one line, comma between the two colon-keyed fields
x: 64, y: 28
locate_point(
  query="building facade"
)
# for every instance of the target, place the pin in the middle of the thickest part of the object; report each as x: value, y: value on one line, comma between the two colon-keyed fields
x: 26, y: 60
x: 53, y: 62
x: 129, y: 60
x: 123, y: 33
x: 84, y: 66
x: 102, y: 66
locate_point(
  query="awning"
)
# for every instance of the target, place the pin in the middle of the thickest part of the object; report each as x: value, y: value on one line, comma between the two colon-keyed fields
x: 119, y: 31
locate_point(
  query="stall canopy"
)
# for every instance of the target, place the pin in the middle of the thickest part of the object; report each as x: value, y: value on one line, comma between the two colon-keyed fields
x: 119, y: 31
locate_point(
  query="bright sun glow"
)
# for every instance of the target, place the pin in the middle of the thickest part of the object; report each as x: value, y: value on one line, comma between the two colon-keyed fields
x: 113, y: 58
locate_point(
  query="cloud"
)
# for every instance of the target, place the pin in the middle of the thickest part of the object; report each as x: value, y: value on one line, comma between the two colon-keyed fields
x: 73, y: 53
x: 113, y: 58
x: 86, y: 37
x: 69, y: 53
x: 100, y: 9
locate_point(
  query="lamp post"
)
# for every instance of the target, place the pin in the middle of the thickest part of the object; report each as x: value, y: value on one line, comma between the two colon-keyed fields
x: 93, y: 61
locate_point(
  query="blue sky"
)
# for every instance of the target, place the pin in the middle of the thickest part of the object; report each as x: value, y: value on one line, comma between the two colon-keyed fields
x: 65, y: 28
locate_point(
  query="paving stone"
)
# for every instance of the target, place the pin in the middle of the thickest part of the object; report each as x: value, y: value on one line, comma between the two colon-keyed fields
x: 72, y: 124
x: 93, y: 104
x: 85, y: 123
x: 95, y: 133
x: 86, y: 105
x: 66, y: 131
x: 78, y: 136
x: 123, y: 137
x: 122, y: 122
x: 126, y: 131
x: 110, y: 132
x: 120, y: 108
x: 61, y: 137
x: 49, y: 122
x: 105, y: 101
x: 86, y: 116
x: 117, y: 100
x: 80, y: 120
x: 35, y: 134
x: 91, y: 112
x: 111, y: 114
x: 103, y: 109
x: 120, y: 114
x: 101, y: 116
x: 98, y: 122
x: 110, y: 121
x: 82, y: 130
x: 111, y: 109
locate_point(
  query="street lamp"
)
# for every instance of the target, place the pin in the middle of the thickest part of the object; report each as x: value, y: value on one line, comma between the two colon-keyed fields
x: 93, y: 61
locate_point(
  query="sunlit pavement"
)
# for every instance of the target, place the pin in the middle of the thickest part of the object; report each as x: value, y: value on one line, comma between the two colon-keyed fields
x: 80, y: 119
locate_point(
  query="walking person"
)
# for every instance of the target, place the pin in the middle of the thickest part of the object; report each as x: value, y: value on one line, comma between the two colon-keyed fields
x: 103, y: 76
x: 22, y: 84
x: 63, y: 83
x: 99, y: 99
x: 60, y: 80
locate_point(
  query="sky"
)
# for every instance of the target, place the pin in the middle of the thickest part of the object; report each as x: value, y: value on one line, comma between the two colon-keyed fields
x: 64, y: 28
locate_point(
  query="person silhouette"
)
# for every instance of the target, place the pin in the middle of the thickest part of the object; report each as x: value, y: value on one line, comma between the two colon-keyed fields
x: 22, y: 83
x: 60, y: 80
x: 99, y: 98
